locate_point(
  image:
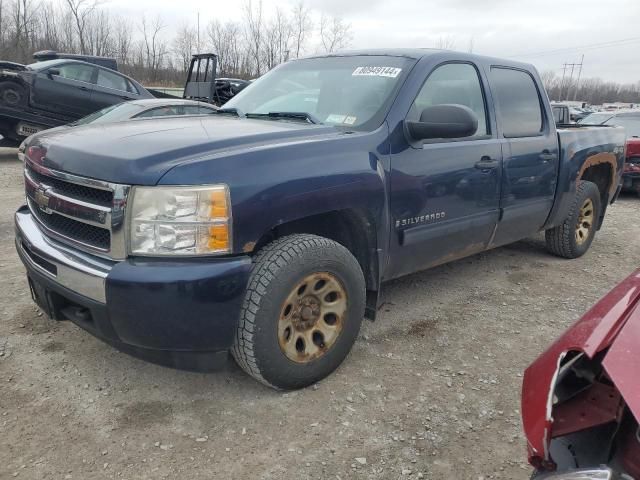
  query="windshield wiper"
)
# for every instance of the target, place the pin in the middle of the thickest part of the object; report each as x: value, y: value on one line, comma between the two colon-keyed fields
x: 306, y: 116
x: 233, y: 111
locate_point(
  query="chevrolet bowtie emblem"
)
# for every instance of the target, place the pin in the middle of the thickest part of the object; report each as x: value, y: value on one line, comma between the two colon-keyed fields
x: 42, y: 199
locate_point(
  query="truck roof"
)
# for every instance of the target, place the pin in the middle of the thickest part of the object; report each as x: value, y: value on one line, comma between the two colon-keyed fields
x: 418, y: 53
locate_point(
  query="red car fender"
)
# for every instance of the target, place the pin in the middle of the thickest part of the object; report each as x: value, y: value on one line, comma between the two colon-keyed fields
x: 612, y: 322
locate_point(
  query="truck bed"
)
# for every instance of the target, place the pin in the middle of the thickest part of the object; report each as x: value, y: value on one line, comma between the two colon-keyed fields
x: 582, y: 147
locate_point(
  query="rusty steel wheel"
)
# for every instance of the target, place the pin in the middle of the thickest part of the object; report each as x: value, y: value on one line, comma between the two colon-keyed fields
x: 302, y: 311
x: 585, y: 222
x: 312, y: 317
x: 573, y: 237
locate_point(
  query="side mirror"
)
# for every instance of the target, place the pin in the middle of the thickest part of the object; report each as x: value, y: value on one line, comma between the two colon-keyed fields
x: 53, y: 71
x: 444, y: 121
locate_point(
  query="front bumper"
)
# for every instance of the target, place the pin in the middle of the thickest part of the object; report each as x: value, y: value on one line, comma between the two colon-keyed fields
x: 181, y: 313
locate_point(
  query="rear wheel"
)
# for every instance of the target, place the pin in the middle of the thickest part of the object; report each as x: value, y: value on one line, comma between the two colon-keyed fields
x: 302, y: 311
x: 573, y: 237
x: 12, y: 94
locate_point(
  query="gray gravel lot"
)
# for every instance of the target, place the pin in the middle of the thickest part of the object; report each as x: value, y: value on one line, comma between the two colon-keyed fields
x: 431, y: 389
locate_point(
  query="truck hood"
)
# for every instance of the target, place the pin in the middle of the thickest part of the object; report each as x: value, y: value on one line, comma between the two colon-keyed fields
x: 613, y: 324
x: 140, y: 152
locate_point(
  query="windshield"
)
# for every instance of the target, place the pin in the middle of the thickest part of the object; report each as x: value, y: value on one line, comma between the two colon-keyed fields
x: 353, y: 92
x: 630, y: 122
x: 596, y: 118
x: 113, y: 113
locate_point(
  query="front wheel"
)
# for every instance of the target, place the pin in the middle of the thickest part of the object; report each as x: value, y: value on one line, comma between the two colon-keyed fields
x: 12, y: 94
x: 302, y: 311
x: 573, y: 237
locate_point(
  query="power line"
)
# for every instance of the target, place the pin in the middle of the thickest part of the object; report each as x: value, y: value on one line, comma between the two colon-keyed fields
x: 614, y: 43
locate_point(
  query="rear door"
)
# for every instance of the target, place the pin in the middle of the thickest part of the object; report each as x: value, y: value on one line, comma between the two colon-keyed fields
x: 112, y: 88
x: 445, y: 193
x: 68, y: 92
x: 530, y: 165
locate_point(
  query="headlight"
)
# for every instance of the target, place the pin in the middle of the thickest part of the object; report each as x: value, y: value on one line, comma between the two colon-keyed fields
x: 180, y: 220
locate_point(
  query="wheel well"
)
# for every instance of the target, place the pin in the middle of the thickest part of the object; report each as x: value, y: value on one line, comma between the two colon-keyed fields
x: 602, y: 175
x: 350, y: 228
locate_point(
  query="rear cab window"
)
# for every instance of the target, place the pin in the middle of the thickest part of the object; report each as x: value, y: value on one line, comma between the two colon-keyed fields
x: 518, y: 103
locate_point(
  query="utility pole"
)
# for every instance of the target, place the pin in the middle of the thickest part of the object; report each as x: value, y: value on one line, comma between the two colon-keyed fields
x: 198, y: 45
x: 575, y: 92
x: 564, y: 72
x: 573, y: 66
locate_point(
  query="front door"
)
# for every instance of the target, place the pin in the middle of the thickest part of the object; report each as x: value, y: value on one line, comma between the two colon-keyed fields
x: 68, y: 92
x: 445, y: 194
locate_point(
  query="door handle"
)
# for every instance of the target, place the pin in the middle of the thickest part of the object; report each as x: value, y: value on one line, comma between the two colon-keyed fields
x: 547, y: 157
x: 84, y: 89
x: 124, y: 97
x: 486, y: 164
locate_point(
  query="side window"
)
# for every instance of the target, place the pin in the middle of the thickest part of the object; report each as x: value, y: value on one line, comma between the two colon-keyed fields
x: 197, y: 110
x: 456, y: 83
x: 160, y: 112
x: 112, y: 80
x: 131, y: 87
x: 518, y: 102
x: 77, y: 71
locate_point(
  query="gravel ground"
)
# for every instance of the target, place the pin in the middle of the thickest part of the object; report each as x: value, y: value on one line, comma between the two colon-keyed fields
x: 431, y: 389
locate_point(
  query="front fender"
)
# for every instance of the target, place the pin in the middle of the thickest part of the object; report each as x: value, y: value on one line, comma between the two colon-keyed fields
x: 276, y: 184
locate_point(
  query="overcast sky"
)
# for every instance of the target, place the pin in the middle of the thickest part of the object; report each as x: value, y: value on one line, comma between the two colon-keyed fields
x: 547, y: 33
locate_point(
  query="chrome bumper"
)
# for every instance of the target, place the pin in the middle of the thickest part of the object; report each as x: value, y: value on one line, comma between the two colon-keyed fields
x: 79, y: 272
x: 587, y: 474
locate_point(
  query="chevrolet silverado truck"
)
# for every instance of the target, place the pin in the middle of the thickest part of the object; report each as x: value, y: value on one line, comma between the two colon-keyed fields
x: 581, y: 398
x: 268, y: 228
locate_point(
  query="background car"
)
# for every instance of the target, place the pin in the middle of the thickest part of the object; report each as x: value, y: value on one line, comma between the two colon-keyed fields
x: 54, y: 92
x: 630, y: 120
x: 147, y: 108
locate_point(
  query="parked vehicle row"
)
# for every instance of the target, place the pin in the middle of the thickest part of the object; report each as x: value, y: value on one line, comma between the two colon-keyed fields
x: 62, y: 88
x: 268, y: 228
x: 55, y: 92
x: 630, y: 120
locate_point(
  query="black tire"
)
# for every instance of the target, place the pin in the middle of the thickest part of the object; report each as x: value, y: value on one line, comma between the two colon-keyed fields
x: 277, y: 270
x: 562, y: 240
x: 12, y: 94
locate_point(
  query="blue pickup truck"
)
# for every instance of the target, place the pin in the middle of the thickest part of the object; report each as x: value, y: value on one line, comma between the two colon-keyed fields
x: 268, y: 229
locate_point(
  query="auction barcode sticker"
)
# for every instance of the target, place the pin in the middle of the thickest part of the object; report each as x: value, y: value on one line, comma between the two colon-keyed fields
x: 390, y: 72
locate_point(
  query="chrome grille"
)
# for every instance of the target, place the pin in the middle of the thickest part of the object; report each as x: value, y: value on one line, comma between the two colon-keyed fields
x: 73, y: 190
x: 83, y: 212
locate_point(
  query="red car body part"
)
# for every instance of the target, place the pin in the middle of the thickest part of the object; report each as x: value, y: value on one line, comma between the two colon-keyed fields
x: 613, y: 322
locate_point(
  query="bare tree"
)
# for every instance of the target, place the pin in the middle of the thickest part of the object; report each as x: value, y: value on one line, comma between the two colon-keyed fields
x: 155, y: 48
x: 302, y: 25
x: 184, y: 44
x: 254, y: 33
x: 123, y: 40
x: 277, y: 39
x: 81, y: 10
x: 335, y: 34
x: 446, y: 43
